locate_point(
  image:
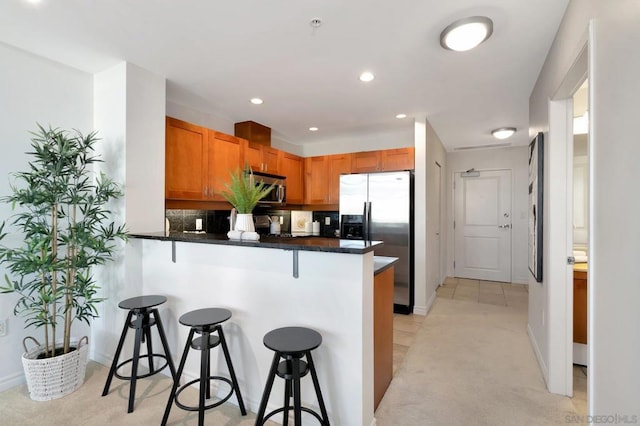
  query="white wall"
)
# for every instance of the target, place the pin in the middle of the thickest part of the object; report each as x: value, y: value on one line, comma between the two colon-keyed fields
x: 398, y: 138
x: 515, y: 159
x: 614, y: 371
x: 435, y: 153
x: 32, y: 89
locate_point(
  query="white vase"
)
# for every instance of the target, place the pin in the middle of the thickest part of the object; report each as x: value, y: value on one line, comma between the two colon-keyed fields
x: 244, y: 222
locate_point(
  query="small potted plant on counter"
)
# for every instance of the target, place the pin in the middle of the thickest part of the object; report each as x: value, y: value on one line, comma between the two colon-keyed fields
x: 64, y: 228
x: 243, y: 193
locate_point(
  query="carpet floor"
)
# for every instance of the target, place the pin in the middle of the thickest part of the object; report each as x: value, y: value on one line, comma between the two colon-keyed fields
x: 471, y: 364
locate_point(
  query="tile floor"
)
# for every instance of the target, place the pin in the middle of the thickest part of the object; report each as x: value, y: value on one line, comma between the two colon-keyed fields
x: 489, y: 292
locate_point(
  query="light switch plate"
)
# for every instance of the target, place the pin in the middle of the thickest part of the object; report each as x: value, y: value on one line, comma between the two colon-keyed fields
x: 327, y: 220
x: 198, y: 224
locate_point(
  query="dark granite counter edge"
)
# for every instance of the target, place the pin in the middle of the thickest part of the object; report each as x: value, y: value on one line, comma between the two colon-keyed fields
x: 382, y: 263
x: 320, y: 244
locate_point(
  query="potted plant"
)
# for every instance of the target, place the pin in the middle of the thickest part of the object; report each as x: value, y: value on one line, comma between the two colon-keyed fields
x: 66, y: 230
x: 243, y: 192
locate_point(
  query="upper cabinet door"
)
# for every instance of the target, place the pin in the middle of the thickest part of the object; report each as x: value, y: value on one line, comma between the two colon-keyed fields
x: 338, y: 164
x: 363, y: 162
x: 185, y: 170
x: 270, y: 160
x: 252, y: 156
x: 223, y: 158
x: 316, y: 178
x: 292, y: 167
x: 398, y: 159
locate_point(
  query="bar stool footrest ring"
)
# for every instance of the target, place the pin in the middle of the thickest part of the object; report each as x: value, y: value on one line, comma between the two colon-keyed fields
x: 206, y: 407
x: 281, y: 409
x: 142, y: 376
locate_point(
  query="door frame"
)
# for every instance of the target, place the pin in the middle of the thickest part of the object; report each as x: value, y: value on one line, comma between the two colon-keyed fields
x: 560, y: 297
x: 511, y: 207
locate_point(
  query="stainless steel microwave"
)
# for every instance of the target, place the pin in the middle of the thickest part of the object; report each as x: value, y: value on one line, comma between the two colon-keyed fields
x: 278, y: 195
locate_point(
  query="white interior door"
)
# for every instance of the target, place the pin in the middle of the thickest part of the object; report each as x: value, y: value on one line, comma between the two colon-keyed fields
x: 482, y: 227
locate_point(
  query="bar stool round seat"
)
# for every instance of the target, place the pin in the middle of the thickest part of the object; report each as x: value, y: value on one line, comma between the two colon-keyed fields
x: 146, y: 316
x: 204, y: 322
x: 292, y: 344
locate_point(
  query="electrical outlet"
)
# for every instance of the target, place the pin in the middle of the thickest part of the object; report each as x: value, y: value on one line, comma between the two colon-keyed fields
x: 3, y: 327
x: 198, y: 224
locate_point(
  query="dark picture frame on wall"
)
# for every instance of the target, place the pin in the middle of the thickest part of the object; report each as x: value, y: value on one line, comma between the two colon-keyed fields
x: 536, y: 204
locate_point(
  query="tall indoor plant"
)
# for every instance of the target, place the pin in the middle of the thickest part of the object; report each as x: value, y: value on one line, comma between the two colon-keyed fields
x: 244, y: 192
x: 66, y: 229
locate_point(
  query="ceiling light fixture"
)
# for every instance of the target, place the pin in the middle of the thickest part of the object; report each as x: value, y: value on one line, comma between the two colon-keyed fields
x: 467, y: 33
x: 401, y: 116
x: 256, y: 101
x: 367, y: 76
x: 503, y: 132
x: 313, y: 129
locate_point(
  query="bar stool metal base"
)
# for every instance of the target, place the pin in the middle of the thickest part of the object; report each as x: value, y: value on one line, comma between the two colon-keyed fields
x: 143, y: 307
x: 291, y: 344
x: 204, y: 322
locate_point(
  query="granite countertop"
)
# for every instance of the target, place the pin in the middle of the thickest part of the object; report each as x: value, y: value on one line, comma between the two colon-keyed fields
x: 323, y: 244
x: 382, y: 263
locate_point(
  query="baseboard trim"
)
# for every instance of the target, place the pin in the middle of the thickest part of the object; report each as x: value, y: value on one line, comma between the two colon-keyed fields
x: 373, y: 422
x: 538, y: 354
x: 11, y: 381
x: 424, y: 310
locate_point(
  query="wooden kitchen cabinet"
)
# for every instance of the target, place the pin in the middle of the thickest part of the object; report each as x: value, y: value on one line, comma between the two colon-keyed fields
x: 185, y: 170
x: 397, y: 159
x: 338, y: 164
x: 261, y: 158
x: 322, y: 178
x: 292, y: 167
x: 223, y: 157
x: 382, y: 333
x: 316, y: 173
x: 580, y: 303
x: 387, y: 160
x: 366, y: 161
x: 198, y: 161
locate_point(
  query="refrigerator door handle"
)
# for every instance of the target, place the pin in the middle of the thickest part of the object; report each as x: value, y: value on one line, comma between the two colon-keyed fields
x: 368, y: 222
x: 364, y: 220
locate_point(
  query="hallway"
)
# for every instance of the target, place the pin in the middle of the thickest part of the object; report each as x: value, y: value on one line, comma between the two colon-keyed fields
x: 471, y: 362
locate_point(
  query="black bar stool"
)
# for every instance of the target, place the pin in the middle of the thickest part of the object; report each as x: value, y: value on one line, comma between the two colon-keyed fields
x: 204, y: 322
x: 142, y: 307
x: 291, y: 344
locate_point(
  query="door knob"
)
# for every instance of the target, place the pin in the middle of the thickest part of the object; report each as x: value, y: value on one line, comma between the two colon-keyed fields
x: 506, y: 225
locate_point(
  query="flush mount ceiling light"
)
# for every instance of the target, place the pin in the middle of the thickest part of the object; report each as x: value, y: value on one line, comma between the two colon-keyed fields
x: 313, y: 129
x: 367, y: 76
x: 401, y: 116
x: 467, y: 33
x: 256, y: 101
x: 503, y: 132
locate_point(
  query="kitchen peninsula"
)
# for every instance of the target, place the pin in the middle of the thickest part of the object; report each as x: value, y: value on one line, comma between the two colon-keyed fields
x: 333, y: 293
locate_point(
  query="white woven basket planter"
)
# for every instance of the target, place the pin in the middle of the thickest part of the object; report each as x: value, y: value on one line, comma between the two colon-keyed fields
x: 52, y: 378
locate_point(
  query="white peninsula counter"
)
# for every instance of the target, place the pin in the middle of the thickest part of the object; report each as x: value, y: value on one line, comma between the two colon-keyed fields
x: 332, y: 294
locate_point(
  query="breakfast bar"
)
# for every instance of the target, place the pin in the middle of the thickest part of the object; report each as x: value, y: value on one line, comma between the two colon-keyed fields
x: 333, y: 294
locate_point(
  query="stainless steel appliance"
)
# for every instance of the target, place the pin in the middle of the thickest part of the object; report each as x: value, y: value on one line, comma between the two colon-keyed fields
x: 278, y: 195
x: 379, y: 206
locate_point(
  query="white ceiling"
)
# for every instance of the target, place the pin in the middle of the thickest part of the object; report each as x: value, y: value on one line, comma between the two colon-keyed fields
x: 216, y: 55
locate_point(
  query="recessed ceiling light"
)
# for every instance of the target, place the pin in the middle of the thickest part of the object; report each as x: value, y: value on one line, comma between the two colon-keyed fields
x: 313, y: 129
x: 467, y: 33
x: 34, y: 1
x: 256, y: 101
x: 503, y: 132
x: 401, y: 116
x: 367, y: 76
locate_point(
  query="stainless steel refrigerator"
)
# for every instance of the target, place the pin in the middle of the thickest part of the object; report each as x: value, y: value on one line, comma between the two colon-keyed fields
x: 379, y: 207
